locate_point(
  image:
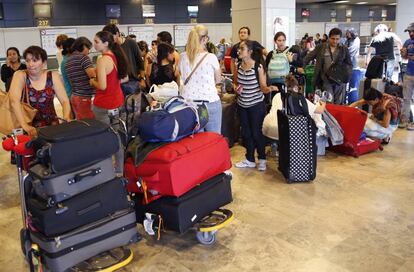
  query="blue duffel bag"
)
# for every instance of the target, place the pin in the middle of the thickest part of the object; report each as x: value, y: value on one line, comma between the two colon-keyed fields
x: 175, y: 120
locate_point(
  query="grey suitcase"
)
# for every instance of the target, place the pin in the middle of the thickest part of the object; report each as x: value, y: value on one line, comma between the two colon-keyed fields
x: 58, y: 187
x: 63, y: 252
x: 376, y: 83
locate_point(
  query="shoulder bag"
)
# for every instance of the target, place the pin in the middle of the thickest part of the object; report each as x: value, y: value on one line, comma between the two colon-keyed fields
x: 8, y: 120
x: 338, y: 73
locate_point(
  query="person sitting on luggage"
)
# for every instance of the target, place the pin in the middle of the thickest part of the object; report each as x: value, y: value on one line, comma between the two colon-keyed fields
x: 163, y: 70
x: 384, y: 119
x: 250, y: 86
x: 270, y: 125
x: 41, y: 86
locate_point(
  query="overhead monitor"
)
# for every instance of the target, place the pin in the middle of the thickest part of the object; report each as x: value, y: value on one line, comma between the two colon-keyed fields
x: 333, y: 13
x: 371, y: 13
x: 348, y: 13
x: 148, y: 11
x: 192, y: 11
x: 384, y: 13
x: 305, y: 12
x: 42, y: 10
x: 113, y: 11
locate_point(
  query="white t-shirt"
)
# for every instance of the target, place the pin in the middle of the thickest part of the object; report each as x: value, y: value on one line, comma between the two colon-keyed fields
x: 270, y: 128
x: 202, y: 85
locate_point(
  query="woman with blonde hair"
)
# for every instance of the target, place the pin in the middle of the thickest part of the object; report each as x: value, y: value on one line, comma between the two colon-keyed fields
x: 200, y: 72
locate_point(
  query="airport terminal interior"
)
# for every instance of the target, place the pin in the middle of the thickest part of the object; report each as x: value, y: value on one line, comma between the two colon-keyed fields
x: 356, y: 215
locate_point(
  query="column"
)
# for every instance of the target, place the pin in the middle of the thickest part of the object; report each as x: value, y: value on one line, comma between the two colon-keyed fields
x: 264, y: 18
x: 404, y: 16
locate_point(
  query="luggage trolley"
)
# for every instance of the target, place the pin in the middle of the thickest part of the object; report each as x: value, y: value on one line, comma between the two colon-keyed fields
x: 155, y: 219
x: 107, y: 261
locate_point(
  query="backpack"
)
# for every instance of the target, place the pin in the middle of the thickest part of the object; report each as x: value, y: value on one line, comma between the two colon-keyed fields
x: 278, y: 65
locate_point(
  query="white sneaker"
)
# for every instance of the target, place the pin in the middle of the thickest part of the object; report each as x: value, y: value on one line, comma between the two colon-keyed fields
x: 245, y: 164
x: 261, y: 165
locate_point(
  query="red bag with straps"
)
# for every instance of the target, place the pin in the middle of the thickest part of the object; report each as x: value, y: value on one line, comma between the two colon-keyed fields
x: 176, y: 168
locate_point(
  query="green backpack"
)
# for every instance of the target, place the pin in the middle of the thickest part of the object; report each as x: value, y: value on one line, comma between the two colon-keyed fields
x: 278, y: 66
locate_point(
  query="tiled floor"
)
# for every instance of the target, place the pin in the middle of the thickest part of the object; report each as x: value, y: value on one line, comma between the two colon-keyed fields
x: 358, y: 215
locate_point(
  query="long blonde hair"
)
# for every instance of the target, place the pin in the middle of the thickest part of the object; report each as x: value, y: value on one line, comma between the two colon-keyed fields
x: 194, y: 42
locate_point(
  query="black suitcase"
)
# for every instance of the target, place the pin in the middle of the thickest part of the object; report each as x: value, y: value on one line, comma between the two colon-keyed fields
x: 297, y: 140
x: 230, y: 124
x: 181, y: 213
x: 63, y: 252
x: 79, y: 210
x: 58, y: 187
x: 75, y: 144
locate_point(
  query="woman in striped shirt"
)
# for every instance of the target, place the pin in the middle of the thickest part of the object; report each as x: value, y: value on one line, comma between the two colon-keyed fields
x: 250, y: 87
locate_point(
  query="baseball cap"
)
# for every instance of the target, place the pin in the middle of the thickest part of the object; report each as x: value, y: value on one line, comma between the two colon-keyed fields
x: 410, y: 27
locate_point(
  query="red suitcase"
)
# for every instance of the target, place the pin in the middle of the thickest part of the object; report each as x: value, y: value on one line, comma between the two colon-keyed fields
x: 176, y: 168
x: 352, y: 121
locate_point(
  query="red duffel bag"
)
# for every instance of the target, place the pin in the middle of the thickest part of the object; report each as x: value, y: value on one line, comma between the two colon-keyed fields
x: 176, y: 168
x: 352, y: 122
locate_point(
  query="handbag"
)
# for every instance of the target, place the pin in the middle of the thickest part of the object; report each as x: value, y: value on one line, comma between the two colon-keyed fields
x: 8, y: 120
x: 338, y: 73
x: 162, y: 93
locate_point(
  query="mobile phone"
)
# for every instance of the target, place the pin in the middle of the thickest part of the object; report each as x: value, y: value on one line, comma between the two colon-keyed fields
x: 18, y: 131
x: 239, y: 89
x: 113, y: 112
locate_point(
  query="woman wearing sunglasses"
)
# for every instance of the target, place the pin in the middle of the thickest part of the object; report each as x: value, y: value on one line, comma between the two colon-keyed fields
x: 41, y: 86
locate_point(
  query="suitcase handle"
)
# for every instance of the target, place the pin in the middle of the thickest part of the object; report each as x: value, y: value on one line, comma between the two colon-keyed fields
x: 80, y: 176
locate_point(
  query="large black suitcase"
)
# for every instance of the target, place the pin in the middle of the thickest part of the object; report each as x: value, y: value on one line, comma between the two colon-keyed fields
x: 75, y: 144
x: 79, y: 210
x: 181, y: 213
x: 230, y: 124
x: 297, y: 140
x: 63, y: 252
x: 58, y: 187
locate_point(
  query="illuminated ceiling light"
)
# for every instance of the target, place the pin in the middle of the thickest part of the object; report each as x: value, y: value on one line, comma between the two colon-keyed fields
x: 362, y: 3
x: 392, y: 4
x: 342, y: 2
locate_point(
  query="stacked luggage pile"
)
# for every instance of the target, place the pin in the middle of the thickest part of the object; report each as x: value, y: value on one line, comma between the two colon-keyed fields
x: 182, y: 179
x: 76, y: 206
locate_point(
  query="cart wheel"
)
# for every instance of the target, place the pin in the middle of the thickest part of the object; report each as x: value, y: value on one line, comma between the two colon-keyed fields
x: 206, y: 237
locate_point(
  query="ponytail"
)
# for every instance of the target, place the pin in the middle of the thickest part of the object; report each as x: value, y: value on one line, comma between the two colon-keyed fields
x: 193, y: 45
x: 122, y: 63
x: 122, y: 67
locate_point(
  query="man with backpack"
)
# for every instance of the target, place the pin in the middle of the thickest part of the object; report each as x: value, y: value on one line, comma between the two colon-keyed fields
x: 407, y: 52
x: 333, y: 68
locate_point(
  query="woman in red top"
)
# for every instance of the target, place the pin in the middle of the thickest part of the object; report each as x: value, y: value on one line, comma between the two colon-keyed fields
x: 111, y: 69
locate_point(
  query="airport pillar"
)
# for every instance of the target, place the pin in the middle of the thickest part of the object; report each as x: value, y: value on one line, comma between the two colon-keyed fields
x: 264, y: 18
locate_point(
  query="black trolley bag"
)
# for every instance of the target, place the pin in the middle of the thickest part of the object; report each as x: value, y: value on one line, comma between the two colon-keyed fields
x: 60, y: 253
x: 297, y: 139
x: 87, y: 207
x: 68, y: 146
x: 58, y: 187
x: 181, y: 213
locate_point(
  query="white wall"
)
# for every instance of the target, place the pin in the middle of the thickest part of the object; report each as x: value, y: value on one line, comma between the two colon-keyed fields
x: 24, y: 37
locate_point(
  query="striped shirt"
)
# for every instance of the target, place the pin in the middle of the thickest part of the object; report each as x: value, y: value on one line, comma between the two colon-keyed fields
x: 75, y: 67
x: 251, y: 93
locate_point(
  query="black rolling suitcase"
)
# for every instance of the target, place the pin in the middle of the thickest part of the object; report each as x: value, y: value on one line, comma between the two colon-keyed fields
x: 230, y: 124
x: 181, y: 213
x: 74, y: 145
x: 60, y: 253
x: 79, y: 210
x: 297, y: 140
x: 58, y: 187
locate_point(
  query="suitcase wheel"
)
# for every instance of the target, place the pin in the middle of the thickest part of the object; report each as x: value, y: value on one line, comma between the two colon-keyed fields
x: 206, y: 237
